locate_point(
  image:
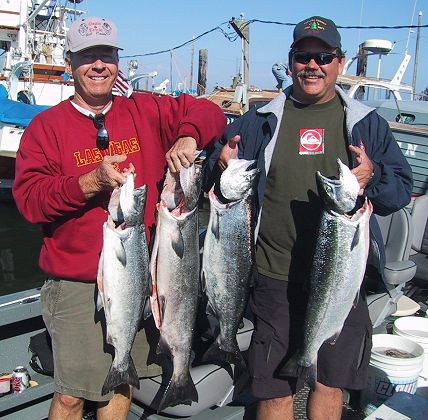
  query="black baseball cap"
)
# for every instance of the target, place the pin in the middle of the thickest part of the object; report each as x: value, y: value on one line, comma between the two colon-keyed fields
x: 317, y: 27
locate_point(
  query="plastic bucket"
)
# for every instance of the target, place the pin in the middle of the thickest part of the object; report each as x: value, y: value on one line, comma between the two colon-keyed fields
x: 395, y: 364
x: 416, y: 329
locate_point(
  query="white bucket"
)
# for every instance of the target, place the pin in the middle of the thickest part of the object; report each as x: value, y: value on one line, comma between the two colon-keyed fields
x: 389, y: 373
x: 414, y: 328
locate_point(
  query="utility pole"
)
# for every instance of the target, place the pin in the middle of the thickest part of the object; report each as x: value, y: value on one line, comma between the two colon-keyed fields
x: 242, y: 28
x: 202, y: 72
x: 415, y: 67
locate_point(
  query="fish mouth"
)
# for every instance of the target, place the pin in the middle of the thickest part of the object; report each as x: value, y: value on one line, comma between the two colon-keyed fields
x: 365, y: 209
x: 181, y: 212
x: 241, y: 164
x: 217, y: 203
x: 336, y: 181
x: 120, y: 230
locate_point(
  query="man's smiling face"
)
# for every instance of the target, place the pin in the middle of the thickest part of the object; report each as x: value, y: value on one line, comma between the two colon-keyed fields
x: 94, y: 71
x: 314, y: 83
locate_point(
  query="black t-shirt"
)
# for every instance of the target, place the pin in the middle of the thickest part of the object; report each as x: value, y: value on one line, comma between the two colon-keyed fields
x: 310, y: 139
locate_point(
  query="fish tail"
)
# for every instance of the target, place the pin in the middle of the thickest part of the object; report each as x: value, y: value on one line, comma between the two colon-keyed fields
x: 294, y: 369
x: 116, y: 376
x: 179, y: 392
x: 215, y: 354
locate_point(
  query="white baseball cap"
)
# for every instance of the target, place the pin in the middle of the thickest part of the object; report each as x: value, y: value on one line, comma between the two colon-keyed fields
x: 91, y: 32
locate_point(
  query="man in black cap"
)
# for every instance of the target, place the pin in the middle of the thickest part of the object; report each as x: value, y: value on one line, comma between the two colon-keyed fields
x: 302, y: 131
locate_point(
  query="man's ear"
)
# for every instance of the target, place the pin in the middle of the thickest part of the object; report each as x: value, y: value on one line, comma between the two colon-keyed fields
x: 342, y: 63
x: 67, y: 62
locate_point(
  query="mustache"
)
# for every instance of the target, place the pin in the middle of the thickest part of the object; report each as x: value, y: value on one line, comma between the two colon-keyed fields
x: 310, y: 73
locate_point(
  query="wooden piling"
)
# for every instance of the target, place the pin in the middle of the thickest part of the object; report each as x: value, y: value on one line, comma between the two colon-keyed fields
x: 202, y: 72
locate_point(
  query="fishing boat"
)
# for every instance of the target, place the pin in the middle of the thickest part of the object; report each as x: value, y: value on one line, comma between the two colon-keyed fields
x: 32, y: 70
x: 221, y: 397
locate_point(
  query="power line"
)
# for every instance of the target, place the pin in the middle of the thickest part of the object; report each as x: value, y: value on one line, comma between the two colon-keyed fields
x: 233, y: 36
x: 230, y: 36
x: 345, y: 27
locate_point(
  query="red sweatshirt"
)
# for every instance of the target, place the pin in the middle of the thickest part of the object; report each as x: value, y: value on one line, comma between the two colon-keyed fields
x: 59, y: 146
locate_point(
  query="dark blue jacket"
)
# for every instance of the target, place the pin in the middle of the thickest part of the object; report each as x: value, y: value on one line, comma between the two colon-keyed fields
x: 390, y: 188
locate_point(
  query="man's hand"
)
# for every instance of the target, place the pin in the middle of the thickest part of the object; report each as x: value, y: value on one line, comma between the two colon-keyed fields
x: 181, y: 154
x: 105, y: 177
x: 364, y: 170
x: 229, y: 151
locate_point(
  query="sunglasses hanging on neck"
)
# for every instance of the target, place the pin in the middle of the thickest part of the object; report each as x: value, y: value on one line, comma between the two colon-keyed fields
x: 102, y: 134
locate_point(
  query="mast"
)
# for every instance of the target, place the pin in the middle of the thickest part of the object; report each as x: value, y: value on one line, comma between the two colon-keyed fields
x: 191, y: 64
x: 242, y: 28
x: 415, y: 68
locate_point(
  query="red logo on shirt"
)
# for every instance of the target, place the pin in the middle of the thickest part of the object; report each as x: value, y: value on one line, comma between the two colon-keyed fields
x: 311, y: 141
x: 91, y: 156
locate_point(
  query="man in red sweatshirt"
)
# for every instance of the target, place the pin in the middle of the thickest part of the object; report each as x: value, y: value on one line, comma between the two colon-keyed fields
x: 70, y: 158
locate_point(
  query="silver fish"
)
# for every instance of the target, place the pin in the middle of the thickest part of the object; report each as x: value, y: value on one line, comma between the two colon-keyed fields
x: 229, y: 256
x: 174, y: 269
x: 123, y: 278
x: 338, y: 269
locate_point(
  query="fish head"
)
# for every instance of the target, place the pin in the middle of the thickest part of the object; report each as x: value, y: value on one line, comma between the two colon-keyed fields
x: 127, y: 203
x: 182, y: 188
x: 171, y: 192
x: 190, y: 182
x: 239, y: 179
x: 339, y: 195
x: 114, y: 207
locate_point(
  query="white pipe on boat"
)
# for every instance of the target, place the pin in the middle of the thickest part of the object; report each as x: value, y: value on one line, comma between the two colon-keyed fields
x: 22, y: 300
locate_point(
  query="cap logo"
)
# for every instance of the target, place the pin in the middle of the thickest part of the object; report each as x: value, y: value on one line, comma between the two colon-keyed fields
x: 94, y: 28
x: 315, y: 25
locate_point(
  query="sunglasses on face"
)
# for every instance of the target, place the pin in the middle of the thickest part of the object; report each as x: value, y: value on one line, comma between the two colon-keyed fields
x: 321, y: 58
x: 102, y: 134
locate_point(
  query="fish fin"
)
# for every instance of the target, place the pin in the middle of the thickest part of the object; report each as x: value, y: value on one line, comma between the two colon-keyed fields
x: 293, y: 369
x: 100, y: 301
x: 154, y: 304
x: 357, y: 298
x: 356, y: 238
x: 115, y: 377
x: 163, y: 347
x: 177, y: 242
x: 121, y: 254
x: 100, y: 282
x: 215, y: 354
x: 209, y: 310
x: 147, y: 309
x: 203, y: 281
x: 162, y: 304
x: 215, y: 226
x: 332, y: 340
x: 179, y: 392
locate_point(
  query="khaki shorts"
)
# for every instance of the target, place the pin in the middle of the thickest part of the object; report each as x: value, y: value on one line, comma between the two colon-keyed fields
x: 82, y: 358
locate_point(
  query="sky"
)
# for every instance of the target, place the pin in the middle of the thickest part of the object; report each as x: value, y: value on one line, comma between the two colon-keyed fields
x: 151, y: 26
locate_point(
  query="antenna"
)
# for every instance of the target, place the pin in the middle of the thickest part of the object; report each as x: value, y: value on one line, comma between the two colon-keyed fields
x: 410, y: 30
